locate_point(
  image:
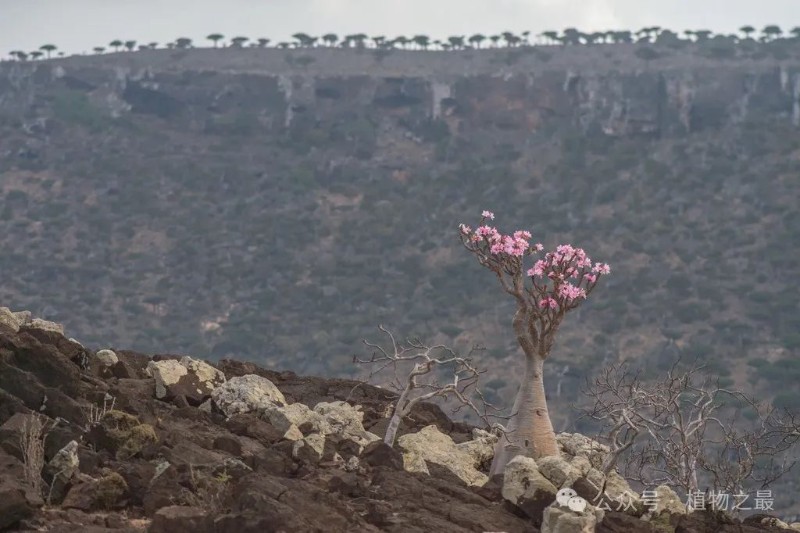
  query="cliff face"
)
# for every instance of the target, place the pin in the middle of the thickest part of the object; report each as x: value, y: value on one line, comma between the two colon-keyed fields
x: 277, y: 206
x: 612, y: 93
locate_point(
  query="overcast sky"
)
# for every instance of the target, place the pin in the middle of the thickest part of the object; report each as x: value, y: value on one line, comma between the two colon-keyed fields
x: 78, y: 25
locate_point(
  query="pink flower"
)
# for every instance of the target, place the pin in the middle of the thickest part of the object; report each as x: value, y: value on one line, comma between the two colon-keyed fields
x: 571, y: 292
x: 520, y: 234
x: 538, y: 268
x: 538, y: 247
x: 464, y: 229
x: 590, y: 278
x: 601, y: 268
x: 548, y: 302
x: 489, y: 232
x: 488, y: 214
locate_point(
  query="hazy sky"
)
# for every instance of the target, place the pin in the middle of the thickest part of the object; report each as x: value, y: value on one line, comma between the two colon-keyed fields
x: 79, y: 25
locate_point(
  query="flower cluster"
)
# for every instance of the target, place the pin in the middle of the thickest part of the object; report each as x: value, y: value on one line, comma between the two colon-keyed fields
x: 514, y: 245
x: 559, y: 279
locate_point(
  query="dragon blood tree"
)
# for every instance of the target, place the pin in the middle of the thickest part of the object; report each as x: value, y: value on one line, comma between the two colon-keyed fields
x: 545, y: 293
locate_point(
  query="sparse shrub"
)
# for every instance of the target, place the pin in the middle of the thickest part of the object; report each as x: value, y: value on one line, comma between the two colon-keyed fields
x: 31, y: 441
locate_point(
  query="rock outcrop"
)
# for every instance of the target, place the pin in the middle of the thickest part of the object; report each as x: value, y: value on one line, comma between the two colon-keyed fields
x: 256, y: 457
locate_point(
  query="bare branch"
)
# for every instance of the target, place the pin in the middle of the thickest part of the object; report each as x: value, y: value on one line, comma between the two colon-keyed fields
x: 672, y: 430
x: 424, y: 367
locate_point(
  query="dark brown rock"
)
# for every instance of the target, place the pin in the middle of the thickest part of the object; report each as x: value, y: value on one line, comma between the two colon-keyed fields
x: 251, y: 425
x: 379, y: 453
x: 17, y: 500
x: 229, y: 444
x: 180, y: 519
x: 618, y: 522
x: 96, y: 494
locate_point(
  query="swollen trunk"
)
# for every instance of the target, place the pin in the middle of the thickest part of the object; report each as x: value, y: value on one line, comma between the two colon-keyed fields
x: 529, y: 431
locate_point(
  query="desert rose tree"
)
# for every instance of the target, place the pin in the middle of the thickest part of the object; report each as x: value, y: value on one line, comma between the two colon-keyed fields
x: 545, y: 292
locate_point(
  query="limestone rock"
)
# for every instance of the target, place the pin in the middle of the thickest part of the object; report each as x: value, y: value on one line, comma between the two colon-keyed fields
x: 45, y: 325
x: 60, y: 471
x: 669, y: 501
x: 480, y: 448
x: 205, y: 373
x: 527, y: 488
x: 345, y: 421
x: 66, y: 462
x: 627, y: 500
x: 193, y: 379
x: 9, y: 319
x: 575, y: 444
x: 309, y: 449
x: 166, y: 373
x: 580, y: 465
x: 244, y: 394
x: 106, y: 357
x: 296, y: 414
x: 293, y: 433
x: 557, y: 470
x: 557, y: 519
x: 430, y: 445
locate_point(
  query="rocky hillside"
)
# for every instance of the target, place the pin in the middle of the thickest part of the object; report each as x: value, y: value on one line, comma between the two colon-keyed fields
x: 276, y: 206
x: 122, y: 441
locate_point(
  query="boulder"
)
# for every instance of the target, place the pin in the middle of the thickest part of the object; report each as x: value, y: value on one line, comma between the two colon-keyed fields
x: 65, y: 463
x: 619, y: 491
x: 527, y: 488
x: 667, y: 500
x: 245, y: 394
x: 581, y: 465
x: 96, y: 494
x: 480, y: 448
x: 18, y: 500
x: 9, y: 319
x: 430, y: 445
x: 181, y: 519
x: 309, y: 449
x: 345, y: 421
x: 60, y: 471
x: 194, y: 380
x: 106, y: 358
x: 122, y: 434
x: 23, y: 318
x: 45, y: 325
x: 557, y: 470
x: 614, y: 522
x: 761, y: 519
x: 559, y: 519
x: 590, y: 485
x: 575, y: 444
x: 295, y: 415
x: 379, y: 453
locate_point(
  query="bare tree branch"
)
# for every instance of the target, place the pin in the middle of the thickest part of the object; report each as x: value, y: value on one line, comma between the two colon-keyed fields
x: 423, y: 368
x: 673, y: 430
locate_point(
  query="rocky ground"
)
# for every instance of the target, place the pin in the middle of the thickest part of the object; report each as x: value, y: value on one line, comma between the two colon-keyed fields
x: 114, y: 440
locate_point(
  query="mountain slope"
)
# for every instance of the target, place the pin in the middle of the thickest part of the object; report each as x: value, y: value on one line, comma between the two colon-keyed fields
x: 273, y: 208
